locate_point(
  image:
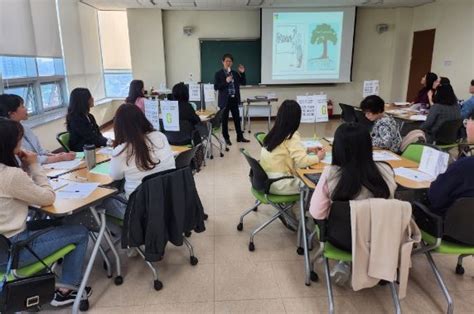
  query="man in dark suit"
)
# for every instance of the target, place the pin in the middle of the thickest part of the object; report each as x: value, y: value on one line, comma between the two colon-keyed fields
x: 228, y: 82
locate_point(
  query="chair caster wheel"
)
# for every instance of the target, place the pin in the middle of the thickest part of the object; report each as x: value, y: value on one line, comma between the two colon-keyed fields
x: 251, y: 247
x: 255, y: 209
x: 193, y: 260
x: 212, y: 157
x: 240, y: 226
x: 459, y: 270
x: 158, y: 285
x: 313, y: 276
x: 84, y: 305
x: 300, y: 251
x: 206, y: 216
x: 187, y: 234
x: 227, y: 149
x: 222, y: 155
x: 118, y: 280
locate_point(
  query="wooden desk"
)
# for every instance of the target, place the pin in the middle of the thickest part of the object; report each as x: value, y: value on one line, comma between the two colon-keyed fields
x: 58, y: 172
x: 179, y: 149
x: 84, y: 175
x: 205, y: 115
x: 406, y: 116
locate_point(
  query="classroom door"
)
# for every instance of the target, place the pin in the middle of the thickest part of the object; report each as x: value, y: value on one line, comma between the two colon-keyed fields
x: 421, y: 56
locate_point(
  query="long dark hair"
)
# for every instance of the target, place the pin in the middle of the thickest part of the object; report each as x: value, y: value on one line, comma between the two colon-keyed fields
x: 131, y: 127
x: 352, y: 152
x: 430, y: 79
x: 445, y: 95
x: 286, y: 123
x: 78, y: 103
x: 9, y: 103
x: 135, y: 90
x: 12, y: 132
x: 181, y: 93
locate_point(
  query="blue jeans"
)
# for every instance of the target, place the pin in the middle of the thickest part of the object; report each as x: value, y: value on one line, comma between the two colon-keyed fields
x: 114, y: 207
x: 53, y: 240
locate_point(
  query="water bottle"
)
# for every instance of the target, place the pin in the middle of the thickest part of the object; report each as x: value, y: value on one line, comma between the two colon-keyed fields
x: 89, y: 155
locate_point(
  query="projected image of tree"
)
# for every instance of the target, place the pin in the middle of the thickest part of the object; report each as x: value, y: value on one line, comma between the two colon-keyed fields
x: 322, y: 34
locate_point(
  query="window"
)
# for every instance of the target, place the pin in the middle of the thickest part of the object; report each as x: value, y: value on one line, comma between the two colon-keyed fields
x: 39, y: 81
x: 115, y: 48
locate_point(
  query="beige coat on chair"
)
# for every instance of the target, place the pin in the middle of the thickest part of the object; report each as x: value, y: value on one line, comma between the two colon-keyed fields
x: 383, y: 235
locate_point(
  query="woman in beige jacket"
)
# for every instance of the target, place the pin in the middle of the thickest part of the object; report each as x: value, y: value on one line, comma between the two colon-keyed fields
x: 23, y: 184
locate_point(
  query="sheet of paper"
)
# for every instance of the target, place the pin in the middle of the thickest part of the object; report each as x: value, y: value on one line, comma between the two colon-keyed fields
x: 57, y: 184
x: 418, y: 117
x: 152, y: 112
x: 370, y: 88
x: 401, y: 103
x: 321, y: 108
x: 384, y: 156
x: 103, y: 168
x: 63, y: 165
x: 433, y: 161
x: 329, y: 139
x: 328, y: 158
x: 311, y: 143
x: 106, y: 151
x: 76, y: 190
x: 412, y: 174
x: 308, y: 108
x: 80, y: 155
x: 170, y: 114
x: 209, y: 93
x: 109, y: 134
x: 194, y: 92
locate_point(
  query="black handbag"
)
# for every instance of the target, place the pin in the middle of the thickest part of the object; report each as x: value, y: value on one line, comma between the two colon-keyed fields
x: 25, y: 293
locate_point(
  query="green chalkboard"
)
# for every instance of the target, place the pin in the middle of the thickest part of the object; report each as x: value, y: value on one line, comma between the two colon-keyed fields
x: 246, y: 52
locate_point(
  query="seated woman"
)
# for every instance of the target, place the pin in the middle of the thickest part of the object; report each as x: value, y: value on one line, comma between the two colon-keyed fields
x: 283, y: 152
x: 81, y: 125
x: 425, y: 96
x: 25, y: 183
x: 457, y: 181
x: 445, y: 109
x: 385, y: 133
x: 13, y: 107
x: 353, y: 174
x: 139, y: 150
x: 188, y: 119
x: 136, y: 94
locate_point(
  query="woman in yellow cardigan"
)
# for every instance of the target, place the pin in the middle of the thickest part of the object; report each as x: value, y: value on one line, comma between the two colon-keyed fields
x: 283, y: 152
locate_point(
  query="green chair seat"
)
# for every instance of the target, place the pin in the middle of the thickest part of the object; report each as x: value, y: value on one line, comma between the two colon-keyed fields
x: 332, y: 252
x: 260, y: 136
x: 413, y: 152
x: 34, y: 268
x: 276, y: 199
x: 447, y: 247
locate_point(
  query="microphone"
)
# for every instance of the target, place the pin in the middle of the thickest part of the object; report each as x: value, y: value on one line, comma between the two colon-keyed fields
x: 228, y: 71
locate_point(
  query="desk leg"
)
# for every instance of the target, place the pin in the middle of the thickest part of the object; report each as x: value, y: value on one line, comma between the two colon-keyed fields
x: 307, y: 270
x: 269, y: 115
x: 248, y: 117
x: 85, y: 278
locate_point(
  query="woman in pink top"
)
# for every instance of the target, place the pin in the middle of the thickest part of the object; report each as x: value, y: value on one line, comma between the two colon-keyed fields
x: 353, y: 174
x: 136, y: 94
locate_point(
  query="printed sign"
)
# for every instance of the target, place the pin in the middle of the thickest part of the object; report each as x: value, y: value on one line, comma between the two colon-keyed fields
x: 170, y: 115
x: 152, y: 112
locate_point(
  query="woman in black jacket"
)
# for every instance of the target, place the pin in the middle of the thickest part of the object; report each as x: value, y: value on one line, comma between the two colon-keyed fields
x: 81, y: 125
x: 188, y: 119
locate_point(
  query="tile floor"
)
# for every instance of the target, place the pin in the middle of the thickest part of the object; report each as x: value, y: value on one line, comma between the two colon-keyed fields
x: 229, y: 278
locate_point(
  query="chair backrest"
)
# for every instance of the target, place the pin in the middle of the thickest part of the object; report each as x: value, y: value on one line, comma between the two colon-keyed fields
x: 260, y: 136
x: 63, y: 139
x: 258, y: 176
x: 348, y: 114
x: 338, y: 231
x: 414, y: 136
x: 448, y: 132
x: 184, y: 159
x: 413, y: 152
x: 361, y: 119
x: 459, y: 220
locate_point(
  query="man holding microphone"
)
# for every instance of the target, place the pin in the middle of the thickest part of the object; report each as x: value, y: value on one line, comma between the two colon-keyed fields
x: 228, y: 82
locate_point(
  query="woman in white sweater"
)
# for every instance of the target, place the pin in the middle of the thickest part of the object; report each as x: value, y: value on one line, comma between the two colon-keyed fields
x: 139, y: 150
x: 23, y: 184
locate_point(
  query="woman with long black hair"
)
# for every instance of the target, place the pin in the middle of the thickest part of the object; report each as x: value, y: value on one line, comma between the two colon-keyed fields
x: 353, y: 174
x: 430, y: 82
x: 136, y: 94
x: 81, y: 124
x: 283, y: 152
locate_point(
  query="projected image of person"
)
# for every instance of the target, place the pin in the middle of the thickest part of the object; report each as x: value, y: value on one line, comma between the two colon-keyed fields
x: 296, y: 42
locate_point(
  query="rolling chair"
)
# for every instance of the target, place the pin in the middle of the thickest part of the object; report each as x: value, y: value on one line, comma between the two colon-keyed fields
x: 336, y: 241
x: 348, y: 113
x: 447, y: 135
x: 361, y: 119
x: 63, y: 139
x: 260, y: 136
x: 449, y: 235
x: 215, y: 132
x: 184, y: 159
x: 36, y: 268
x: 261, y: 191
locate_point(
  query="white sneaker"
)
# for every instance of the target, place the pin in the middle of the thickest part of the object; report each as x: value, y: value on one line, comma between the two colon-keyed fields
x: 341, y: 274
